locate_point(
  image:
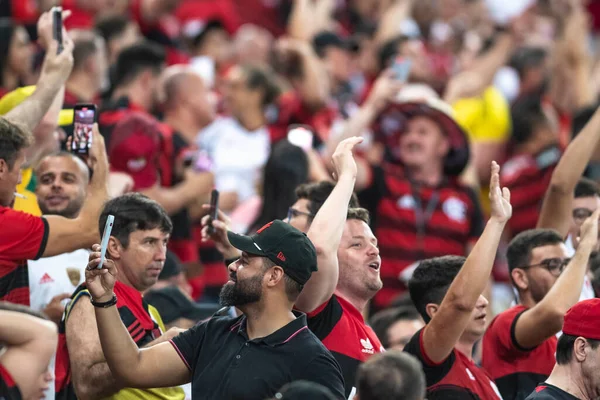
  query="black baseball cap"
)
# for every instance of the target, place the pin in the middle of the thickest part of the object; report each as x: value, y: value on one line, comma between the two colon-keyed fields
x: 172, y: 305
x: 300, y: 390
x: 283, y: 244
x: 321, y: 41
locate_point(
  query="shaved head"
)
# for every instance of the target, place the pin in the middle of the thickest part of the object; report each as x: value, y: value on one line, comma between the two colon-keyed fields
x: 178, y: 81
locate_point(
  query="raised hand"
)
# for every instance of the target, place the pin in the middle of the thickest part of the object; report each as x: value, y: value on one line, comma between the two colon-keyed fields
x: 219, y: 237
x: 57, y: 67
x: 385, y: 89
x: 589, y: 231
x: 98, y: 159
x: 100, y: 282
x: 499, y: 197
x: 343, y: 159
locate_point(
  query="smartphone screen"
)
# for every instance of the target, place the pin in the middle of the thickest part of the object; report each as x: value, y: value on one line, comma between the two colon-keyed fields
x: 57, y: 27
x: 83, y: 122
x: 401, y: 68
x: 214, y: 210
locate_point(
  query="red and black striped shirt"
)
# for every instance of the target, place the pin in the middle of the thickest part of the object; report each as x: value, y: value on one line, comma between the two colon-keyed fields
x: 528, y: 178
x: 413, y: 223
x: 22, y: 237
x: 8, y: 387
x: 515, y: 370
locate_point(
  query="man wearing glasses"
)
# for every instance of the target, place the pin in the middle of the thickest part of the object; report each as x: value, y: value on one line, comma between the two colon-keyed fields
x: 519, y: 344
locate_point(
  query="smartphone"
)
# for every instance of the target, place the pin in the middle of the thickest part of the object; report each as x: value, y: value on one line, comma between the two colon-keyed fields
x: 84, y: 116
x: 57, y: 27
x: 105, y: 236
x: 214, y: 210
x: 401, y: 68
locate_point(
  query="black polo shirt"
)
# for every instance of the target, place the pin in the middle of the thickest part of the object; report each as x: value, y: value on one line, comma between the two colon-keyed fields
x: 545, y: 391
x: 226, y: 365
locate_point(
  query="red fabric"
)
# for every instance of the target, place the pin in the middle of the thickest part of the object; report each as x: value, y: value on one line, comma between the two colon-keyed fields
x: 22, y: 237
x: 185, y: 249
x: 130, y: 297
x: 79, y: 19
x: 71, y: 100
x: 6, y: 377
x: 25, y: 12
x: 264, y: 13
x: 583, y: 319
x: 204, y: 10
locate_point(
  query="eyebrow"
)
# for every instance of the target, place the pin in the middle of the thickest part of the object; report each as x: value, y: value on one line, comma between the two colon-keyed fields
x: 361, y: 237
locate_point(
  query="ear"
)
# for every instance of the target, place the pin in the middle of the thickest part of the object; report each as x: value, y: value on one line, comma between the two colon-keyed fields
x: 274, y: 276
x: 114, y: 248
x: 579, y: 349
x: 520, y: 279
x: 431, y: 309
x: 3, y: 166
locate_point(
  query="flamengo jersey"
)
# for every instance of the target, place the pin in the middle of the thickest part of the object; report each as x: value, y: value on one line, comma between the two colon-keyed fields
x: 22, y: 237
x: 516, y: 370
x: 455, y: 378
x: 528, y: 178
x: 8, y: 388
x: 342, y: 329
x: 451, y: 218
x: 545, y: 391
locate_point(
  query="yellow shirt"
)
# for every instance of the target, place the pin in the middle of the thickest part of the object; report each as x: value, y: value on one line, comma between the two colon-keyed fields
x: 29, y: 204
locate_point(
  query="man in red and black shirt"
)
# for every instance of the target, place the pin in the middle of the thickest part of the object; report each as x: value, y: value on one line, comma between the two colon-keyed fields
x: 447, y: 292
x: 420, y: 207
x: 519, y: 345
x: 135, y: 84
x: 29, y: 341
x: 575, y: 375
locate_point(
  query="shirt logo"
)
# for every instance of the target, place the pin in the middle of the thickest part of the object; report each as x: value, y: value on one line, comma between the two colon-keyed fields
x: 367, y: 346
x: 406, y: 202
x: 470, y: 374
x: 74, y: 275
x: 455, y: 209
x: 137, y: 164
x: 46, y: 279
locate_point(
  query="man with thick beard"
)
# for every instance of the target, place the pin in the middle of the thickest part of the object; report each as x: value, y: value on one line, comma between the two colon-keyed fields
x: 248, y: 357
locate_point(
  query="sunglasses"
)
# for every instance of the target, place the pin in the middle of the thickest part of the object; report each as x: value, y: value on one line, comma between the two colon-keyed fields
x: 554, y: 265
x: 293, y: 213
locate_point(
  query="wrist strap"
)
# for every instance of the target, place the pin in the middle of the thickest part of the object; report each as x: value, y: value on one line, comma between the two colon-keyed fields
x: 106, y: 304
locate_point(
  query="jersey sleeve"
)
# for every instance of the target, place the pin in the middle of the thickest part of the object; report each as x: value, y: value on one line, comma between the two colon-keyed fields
x: 434, y: 372
x: 188, y: 343
x: 502, y: 332
x: 26, y: 238
x: 324, y: 318
x: 326, y: 371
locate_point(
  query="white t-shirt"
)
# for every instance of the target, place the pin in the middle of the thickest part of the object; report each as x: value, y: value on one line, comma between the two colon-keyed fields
x: 51, y: 276
x: 238, y: 155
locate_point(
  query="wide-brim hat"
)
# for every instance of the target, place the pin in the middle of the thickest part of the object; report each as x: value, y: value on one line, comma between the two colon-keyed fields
x: 419, y: 100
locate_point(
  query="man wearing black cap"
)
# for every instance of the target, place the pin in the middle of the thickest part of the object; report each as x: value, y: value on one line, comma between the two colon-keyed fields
x: 249, y: 357
x: 575, y: 375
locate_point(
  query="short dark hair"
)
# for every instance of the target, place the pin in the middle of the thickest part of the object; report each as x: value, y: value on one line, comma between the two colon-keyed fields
x: 391, y: 375
x: 316, y: 193
x: 527, y: 57
x: 586, y: 188
x: 112, y: 26
x: 527, y: 117
x: 518, y: 253
x: 292, y: 288
x: 389, y: 50
x: 431, y: 280
x: 86, y: 45
x: 360, y: 214
x: 134, y: 212
x: 262, y: 78
x: 137, y: 58
x: 13, y: 139
x: 564, y: 348
x: 384, y: 319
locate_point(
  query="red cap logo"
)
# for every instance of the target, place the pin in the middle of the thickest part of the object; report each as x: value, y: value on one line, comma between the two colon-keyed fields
x: 281, y: 256
x: 264, y: 227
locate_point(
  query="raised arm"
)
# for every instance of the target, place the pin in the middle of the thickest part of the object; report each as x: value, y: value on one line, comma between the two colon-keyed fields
x: 196, y: 185
x: 327, y: 228
x: 156, y: 366
x: 447, y: 325
x: 71, y: 234
x: 556, y: 208
x: 545, y: 319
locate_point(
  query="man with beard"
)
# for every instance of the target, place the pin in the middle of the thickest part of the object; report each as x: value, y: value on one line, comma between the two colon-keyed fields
x: 137, y: 246
x: 248, y: 357
x: 61, y: 190
x: 520, y: 343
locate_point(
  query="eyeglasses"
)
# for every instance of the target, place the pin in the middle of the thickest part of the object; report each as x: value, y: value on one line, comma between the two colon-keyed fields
x: 293, y: 213
x: 581, y: 214
x: 554, y: 265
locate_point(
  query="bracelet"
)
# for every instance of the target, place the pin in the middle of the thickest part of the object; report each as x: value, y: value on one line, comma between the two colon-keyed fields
x: 106, y: 304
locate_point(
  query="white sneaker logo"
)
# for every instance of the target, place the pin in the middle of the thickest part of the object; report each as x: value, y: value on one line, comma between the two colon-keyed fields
x: 367, y: 346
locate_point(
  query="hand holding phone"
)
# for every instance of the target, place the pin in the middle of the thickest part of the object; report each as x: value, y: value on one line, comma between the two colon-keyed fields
x: 104, y: 244
x: 83, y: 125
x: 401, y: 68
x: 57, y: 27
x: 214, y: 210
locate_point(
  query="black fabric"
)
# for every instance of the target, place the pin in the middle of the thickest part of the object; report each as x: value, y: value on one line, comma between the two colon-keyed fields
x: 545, y: 391
x: 225, y: 364
x: 518, y: 386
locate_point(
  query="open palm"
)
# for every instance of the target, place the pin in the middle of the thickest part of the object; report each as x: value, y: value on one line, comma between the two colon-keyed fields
x: 499, y: 197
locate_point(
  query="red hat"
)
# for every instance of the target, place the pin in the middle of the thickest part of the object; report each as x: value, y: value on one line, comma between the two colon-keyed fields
x: 135, y: 148
x: 583, y: 319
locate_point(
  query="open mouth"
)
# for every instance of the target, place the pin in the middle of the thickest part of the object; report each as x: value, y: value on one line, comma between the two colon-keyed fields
x: 482, y: 316
x: 375, y: 265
